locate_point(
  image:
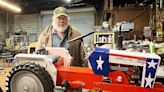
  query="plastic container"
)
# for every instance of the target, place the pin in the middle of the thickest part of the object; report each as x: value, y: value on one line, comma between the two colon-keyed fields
x: 152, y: 47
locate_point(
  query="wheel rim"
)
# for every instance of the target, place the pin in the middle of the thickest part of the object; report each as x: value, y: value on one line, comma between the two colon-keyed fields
x: 26, y: 81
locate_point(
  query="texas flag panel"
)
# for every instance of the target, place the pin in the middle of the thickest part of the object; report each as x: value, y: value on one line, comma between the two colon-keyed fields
x: 99, y: 61
x: 150, y: 73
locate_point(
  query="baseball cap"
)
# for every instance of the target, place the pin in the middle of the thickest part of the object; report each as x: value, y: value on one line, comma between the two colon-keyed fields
x: 60, y: 11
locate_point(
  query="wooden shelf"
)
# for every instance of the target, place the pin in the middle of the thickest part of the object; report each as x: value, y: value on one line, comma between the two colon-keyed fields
x: 101, y: 38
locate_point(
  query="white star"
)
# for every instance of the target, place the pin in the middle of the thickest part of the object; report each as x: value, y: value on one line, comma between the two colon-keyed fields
x: 148, y: 81
x: 152, y: 64
x: 99, y: 62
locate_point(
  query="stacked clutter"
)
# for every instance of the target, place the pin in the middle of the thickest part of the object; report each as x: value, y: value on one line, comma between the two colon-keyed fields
x: 143, y: 46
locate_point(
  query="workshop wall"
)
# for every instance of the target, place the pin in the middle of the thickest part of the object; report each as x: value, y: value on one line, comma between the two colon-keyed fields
x: 10, y: 26
x: 139, y: 15
x: 9, y: 23
x: 29, y: 23
x: 2, y: 25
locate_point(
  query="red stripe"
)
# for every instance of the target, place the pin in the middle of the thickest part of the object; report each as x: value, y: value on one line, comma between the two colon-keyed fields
x: 127, y: 56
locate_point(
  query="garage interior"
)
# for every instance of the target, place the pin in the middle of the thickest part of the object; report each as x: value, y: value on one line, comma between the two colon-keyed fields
x: 134, y: 26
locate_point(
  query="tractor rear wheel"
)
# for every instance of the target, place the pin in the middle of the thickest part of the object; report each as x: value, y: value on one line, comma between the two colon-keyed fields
x: 29, y: 77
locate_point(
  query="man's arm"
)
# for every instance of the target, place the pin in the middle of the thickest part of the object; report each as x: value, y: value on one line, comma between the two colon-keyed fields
x: 42, y: 39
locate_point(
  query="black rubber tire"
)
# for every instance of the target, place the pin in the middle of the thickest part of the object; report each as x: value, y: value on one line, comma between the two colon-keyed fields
x: 35, y: 70
x: 1, y: 90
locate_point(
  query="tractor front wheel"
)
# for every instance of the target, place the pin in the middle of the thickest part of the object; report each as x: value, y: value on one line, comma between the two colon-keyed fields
x: 29, y: 77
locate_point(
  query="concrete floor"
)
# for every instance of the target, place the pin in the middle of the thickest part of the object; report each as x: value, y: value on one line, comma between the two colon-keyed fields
x: 4, y: 70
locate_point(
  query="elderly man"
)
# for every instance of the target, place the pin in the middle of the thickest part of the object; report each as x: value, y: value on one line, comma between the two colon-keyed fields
x: 59, y: 32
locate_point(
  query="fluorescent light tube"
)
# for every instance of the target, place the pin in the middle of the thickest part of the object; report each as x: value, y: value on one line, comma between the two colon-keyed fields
x: 10, y: 6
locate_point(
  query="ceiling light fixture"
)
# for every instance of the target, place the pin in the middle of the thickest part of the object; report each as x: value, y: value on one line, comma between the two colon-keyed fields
x: 10, y: 6
x: 68, y: 1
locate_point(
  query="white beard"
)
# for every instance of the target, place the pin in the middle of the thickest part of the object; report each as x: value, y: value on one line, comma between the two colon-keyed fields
x: 61, y: 29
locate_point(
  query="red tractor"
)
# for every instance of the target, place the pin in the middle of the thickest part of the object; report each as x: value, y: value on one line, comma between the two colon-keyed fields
x: 109, y: 70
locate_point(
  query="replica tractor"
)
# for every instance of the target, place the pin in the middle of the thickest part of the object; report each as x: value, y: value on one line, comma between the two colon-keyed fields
x: 108, y: 71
